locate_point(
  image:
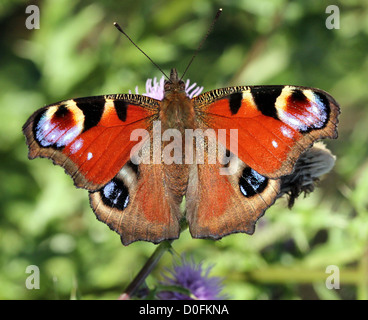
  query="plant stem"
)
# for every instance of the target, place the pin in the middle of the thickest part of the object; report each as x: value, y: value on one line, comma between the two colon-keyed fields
x: 146, y: 270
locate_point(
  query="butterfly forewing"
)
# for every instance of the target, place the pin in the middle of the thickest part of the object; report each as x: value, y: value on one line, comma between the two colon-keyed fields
x: 275, y: 124
x: 89, y: 137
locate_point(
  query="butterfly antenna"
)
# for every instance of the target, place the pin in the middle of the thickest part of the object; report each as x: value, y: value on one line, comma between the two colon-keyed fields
x: 156, y: 65
x: 203, y: 40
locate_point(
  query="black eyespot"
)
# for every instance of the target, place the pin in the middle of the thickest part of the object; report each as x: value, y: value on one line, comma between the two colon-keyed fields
x: 251, y: 182
x: 298, y: 95
x: 115, y: 194
x: 61, y: 111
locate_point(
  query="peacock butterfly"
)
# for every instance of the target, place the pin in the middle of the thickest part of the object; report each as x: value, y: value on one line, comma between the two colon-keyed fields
x: 259, y: 134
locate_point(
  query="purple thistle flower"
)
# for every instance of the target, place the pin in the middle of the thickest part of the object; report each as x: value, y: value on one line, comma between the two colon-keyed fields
x: 193, y: 278
x: 155, y: 90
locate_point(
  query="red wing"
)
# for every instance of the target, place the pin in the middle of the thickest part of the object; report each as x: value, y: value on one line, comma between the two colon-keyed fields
x: 89, y: 137
x: 275, y: 124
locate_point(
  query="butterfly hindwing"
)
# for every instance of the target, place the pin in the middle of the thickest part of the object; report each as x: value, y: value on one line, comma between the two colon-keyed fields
x: 275, y: 124
x: 89, y: 137
x: 138, y: 205
x: 220, y: 203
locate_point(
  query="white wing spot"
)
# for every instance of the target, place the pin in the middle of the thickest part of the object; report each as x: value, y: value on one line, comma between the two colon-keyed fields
x: 75, y: 147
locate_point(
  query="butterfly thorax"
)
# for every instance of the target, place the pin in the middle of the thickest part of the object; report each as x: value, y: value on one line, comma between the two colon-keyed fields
x: 177, y: 110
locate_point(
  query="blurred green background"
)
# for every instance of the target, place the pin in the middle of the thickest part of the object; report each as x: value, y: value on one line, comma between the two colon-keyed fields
x: 45, y: 221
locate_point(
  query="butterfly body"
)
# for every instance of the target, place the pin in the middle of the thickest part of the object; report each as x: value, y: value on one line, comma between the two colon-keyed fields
x: 257, y: 134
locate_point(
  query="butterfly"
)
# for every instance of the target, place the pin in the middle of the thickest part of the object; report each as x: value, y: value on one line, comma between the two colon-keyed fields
x: 91, y: 138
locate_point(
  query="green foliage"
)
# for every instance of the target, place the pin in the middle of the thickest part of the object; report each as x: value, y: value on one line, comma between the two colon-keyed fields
x: 77, y: 52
